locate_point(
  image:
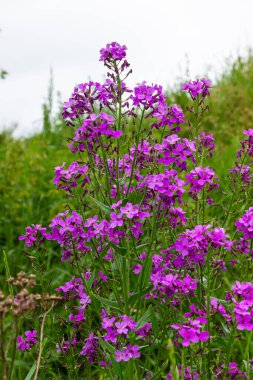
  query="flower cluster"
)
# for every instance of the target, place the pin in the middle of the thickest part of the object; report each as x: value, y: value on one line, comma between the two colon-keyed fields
x: 199, y: 87
x: 113, y: 51
x: 192, y: 246
x: 245, y: 224
x: 190, y: 331
x: 33, y: 233
x: 116, y: 327
x: 29, y: 341
x: 64, y: 347
x: 206, y: 144
x: 247, y: 145
x: 168, y: 186
x: 188, y: 373
x: 68, y: 178
x: 147, y: 96
x: 87, y: 97
x: 200, y: 178
x: 74, y: 290
x: 243, y: 309
x: 93, y: 128
x: 127, y: 353
x: 117, y: 331
x: 233, y: 371
x: 242, y: 172
x: 175, y: 151
x: 166, y: 285
x: 168, y: 116
x: 90, y: 348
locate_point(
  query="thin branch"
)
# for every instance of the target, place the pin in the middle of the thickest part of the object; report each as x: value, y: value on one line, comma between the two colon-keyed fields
x: 41, y: 341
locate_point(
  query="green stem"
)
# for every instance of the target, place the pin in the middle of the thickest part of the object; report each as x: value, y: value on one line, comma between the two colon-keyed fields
x: 107, y: 172
x: 231, y: 339
x: 153, y: 231
x: 119, y: 128
x: 115, y: 291
x: 135, y: 152
x: 182, y: 364
x: 208, y: 314
x: 2, y: 342
x: 125, y: 275
x: 203, y: 206
x: 14, y: 350
x: 234, y: 194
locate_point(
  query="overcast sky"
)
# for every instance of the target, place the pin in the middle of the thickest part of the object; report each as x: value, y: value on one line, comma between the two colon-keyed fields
x: 67, y: 36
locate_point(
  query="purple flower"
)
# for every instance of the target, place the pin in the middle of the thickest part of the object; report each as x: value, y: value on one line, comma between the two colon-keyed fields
x: 102, y: 276
x: 167, y: 185
x: 137, y: 268
x: 243, y: 173
x: 198, y: 87
x: 243, y: 309
x: 171, y: 116
x: 147, y: 96
x: 187, y: 373
x: 88, y: 135
x: 129, y: 210
x: 121, y: 327
x: 176, y: 217
x: 206, y: 143
x: 22, y: 345
x: 191, y: 332
x: 175, y: 151
x: 29, y: 341
x: 127, y: 353
x: 65, y: 346
x: 90, y: 347
x: 122, y: 355
x: 245, y: 224
x: 144, y: 331
x: 32, y: 234
x: 67, y: 178
x: 199, y: 178
x: 116, y: 220
x: 113, y: 51
x: 247, y: 145
x: 233, y: 371
x: 85, y: 97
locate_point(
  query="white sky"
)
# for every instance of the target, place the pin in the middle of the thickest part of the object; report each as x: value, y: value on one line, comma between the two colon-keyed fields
x: 68, y: 34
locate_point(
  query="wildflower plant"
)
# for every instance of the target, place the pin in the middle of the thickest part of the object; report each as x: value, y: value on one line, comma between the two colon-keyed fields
x: 148, y: 237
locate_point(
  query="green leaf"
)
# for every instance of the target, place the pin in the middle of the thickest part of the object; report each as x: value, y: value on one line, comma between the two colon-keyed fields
x: 141, y: 246
x: 147, y: 271
x: 108, y: 347
x: 118, y: 249
x: 155, y: 376
x: 135, y: 197
x: 90, y: 280
x: 154, y: 321
x: 101, y: 205
x: 105, y: 301
x: 128, y: 373
x: 146, y: 317
x: 8, y: 275
x: 31, y: 372
x: 135, y: 297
